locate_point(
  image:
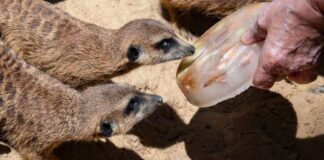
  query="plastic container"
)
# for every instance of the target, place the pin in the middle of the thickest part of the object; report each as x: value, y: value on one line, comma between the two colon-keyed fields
x: 222, y: 67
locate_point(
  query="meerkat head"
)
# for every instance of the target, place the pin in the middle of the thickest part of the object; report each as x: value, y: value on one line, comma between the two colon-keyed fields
x: 116, y: 108
x: 147, y: 41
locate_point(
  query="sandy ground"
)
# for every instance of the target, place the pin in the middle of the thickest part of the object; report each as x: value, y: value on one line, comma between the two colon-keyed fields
x: 284, y: 123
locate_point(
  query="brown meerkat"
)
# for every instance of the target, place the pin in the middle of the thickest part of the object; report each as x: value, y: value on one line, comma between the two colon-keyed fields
x: 197, y: 16
x: 216, y: 8
x: 80, y: 53
x: 38, y: 112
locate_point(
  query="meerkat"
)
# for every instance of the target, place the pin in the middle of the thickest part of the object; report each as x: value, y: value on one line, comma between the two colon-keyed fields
x: 80, y: 53
x: 38, y: 112
x: 197, y: 16
x: 216, y: 8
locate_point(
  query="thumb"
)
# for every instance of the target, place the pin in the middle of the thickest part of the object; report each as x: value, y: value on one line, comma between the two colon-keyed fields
x: 263, y: 79
x: 304, y: 76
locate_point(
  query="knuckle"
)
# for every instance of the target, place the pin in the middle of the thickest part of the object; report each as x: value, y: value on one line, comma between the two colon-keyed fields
x: 262, y: 22
x: 275, y: 64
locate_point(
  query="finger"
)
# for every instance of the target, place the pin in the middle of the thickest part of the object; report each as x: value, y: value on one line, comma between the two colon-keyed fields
x: 258, y: 32
x: 303, y: 77
x: 263, y: 79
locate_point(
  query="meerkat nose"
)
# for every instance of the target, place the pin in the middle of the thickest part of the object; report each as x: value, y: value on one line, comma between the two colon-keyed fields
x: 191, y: 49
x: 158, y: 99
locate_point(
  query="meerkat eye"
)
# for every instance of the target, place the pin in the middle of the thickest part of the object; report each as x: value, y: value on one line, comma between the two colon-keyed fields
x: 165, y: 44
x: 133, y: 53
x: 133, y: 106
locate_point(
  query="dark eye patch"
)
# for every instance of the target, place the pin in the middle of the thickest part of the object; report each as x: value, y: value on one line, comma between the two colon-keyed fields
x: 105, y: 128
x: 133, y: 106
x: 133, y: 53
x: 166, y: 44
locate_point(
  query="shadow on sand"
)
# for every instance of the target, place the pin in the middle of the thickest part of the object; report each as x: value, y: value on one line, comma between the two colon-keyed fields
x: 255, y: 125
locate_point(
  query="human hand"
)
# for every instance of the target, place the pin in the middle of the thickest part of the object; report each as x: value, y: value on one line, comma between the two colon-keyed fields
x: 292, y: 31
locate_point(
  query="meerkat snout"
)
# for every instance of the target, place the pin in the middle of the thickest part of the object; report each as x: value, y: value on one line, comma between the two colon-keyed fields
x: 158, y: 99
x: 191, y: 50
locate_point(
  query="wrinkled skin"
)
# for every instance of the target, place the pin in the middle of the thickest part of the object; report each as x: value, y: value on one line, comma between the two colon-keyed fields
x: 292, y: 31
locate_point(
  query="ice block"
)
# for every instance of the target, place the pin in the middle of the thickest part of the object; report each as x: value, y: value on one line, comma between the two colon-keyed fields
x: 222, y: 66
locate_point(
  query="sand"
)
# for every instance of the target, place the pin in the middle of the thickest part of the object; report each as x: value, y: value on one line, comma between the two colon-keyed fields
x: 284, y: 123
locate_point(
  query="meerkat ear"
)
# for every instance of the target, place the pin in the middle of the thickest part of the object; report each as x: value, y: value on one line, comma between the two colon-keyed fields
x: 106, y: 128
